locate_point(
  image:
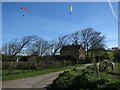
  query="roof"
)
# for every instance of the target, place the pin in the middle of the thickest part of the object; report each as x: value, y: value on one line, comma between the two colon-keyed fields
x: 71, y: 46
x: 114, y: 47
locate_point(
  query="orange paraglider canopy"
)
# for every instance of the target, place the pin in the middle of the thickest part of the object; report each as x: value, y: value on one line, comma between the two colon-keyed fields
x: 25, y: 9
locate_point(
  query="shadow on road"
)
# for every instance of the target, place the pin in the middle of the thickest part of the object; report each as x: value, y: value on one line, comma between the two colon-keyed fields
x: 49, y: 87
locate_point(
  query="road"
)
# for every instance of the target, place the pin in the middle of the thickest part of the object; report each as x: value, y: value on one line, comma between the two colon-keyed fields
x: 40, y: 81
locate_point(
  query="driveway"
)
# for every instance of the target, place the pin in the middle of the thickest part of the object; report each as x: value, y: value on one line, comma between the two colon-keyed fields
x: 41, y: 81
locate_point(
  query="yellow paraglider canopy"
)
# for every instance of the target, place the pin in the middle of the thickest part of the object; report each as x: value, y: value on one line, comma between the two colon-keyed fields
x: 70, y: 8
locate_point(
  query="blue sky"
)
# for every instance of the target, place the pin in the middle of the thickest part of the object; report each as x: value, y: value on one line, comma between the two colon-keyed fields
x: 52, y: 19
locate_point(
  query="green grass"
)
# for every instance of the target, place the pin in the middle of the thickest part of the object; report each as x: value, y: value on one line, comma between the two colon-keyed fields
x: 110, y: 54
x: 6, y: 72
x: 104, y: 75
x: 30, y: 74
x: 89, y: 55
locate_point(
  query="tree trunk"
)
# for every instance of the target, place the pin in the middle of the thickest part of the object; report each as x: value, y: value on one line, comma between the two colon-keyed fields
x: 91, y: 54
x: 87, y: 50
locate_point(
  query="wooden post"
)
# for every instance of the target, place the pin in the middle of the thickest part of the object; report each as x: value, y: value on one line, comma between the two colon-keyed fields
x: 96, y: 68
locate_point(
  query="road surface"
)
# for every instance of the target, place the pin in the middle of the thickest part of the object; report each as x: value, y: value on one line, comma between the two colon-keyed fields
x: 40, y: 81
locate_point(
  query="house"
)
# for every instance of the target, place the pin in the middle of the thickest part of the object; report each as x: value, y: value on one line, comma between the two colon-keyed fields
x: 114, y: 48
x: 73, y: 50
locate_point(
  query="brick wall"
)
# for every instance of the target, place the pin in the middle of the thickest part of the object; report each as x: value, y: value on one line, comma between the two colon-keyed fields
x: 73, y: 50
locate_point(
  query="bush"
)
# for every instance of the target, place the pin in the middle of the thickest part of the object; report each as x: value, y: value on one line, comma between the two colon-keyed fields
x: 64, y: 80
x: 67, y: 58
x: 43, y: 62
x: 4, y: 65
x: 101, y: 55
x: 11, y: 66
x: 117, y: 55
x: 26, y: 66
x: 5, y: 58
x: 75, y: 80
x: 111, y: 85
x: 24, y: 58
x: 101, y: 81
x: 84, y: 61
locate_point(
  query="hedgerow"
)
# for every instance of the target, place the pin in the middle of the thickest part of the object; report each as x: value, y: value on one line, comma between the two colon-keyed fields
x: 75, y: 80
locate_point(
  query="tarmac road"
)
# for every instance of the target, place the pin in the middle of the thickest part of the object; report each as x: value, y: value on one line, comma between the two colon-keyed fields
x: 40, y: 81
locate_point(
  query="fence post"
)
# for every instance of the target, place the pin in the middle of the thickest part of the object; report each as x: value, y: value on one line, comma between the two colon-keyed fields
x: 96, y: 68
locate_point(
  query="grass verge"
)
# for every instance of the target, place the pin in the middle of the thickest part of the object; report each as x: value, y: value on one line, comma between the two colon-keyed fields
x: 30, y: 74
x: 104, y: 75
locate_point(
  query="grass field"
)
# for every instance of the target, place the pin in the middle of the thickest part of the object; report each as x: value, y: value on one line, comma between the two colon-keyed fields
x: 31, y: 73
x: 110, y: 76
x: 110, y: 54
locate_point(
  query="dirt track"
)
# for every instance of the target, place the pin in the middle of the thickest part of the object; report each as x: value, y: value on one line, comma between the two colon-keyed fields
x: 34, y: 82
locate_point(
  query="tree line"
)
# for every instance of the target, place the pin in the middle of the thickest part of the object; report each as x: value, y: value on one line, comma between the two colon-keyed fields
x: 89, y: 38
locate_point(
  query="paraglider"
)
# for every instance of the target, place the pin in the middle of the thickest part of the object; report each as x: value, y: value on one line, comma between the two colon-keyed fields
x: 70, y: 9
x: 25, y: 10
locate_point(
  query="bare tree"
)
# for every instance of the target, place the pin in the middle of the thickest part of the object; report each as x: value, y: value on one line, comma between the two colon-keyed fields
x: 75, y: 38
x: 91, y: 39
x: 97, y: 41
x: 57, y: 44
x: 44, y: 47
x: 15, y: 46
x: 39, y: 48
x: 9, y: 48
x: 85, y: 38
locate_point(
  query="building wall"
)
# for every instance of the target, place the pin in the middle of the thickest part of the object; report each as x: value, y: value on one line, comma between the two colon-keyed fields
x: 70, y: 51
x: 73, y: 51
x: 81, y: 54
x: 115, y: 48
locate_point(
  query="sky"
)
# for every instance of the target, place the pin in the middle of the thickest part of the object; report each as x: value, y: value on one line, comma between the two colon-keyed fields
x: 52, y: 19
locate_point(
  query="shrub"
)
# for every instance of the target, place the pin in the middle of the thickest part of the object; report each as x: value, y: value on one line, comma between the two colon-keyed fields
x: 101, y: 81
x: 4, y: 65
x: 84, y: 61
x: 42, y: 62
x: 86, y: 71
x: 64, y: 80
x: 91, y: 67
x: 5, y: 58
x: 11, y: 67
x: 25, y: 58
x: 117, y: 55
x: 75, y: 80
x: 111, y: 85
x: 26, y: 66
